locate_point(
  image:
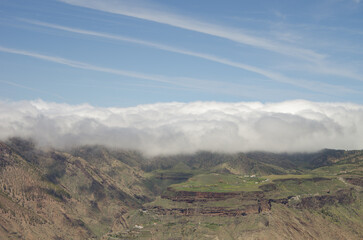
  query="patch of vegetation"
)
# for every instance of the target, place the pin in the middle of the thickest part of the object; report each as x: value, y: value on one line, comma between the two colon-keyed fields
x: 215, y: 182
x: 24, y: 148
x: 289, y: 176
x: 212, y: 226
x: 166, y: 203
x: 341, y: 168
x: 158, y: 181
x: 286, y: 187
x: 170, y: 224
x: 98, y: 190
x: 326, y: 213
x: 58, y: 193
x: 57, y: 169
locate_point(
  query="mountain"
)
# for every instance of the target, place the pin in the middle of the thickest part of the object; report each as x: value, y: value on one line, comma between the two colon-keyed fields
x: 57, y: 195
x: 92, y: 192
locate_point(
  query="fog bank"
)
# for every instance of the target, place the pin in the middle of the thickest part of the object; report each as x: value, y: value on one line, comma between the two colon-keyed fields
x: 170, y: 128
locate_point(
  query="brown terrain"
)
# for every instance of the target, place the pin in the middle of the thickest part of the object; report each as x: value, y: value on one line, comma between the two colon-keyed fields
x: 95, y: 193
x: 75, y: 201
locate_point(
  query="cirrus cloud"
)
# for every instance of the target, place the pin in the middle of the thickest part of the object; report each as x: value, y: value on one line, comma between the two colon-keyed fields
x: 171, y: 128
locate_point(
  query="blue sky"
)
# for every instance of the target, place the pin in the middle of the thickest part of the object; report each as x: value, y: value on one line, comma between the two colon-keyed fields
x: 126, y: 53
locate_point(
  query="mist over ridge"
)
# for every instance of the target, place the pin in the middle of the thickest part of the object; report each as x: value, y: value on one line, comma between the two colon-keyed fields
x: 172, y: 128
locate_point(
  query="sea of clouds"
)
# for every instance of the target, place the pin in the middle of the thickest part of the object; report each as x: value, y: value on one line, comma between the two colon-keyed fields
x: 171, y: 128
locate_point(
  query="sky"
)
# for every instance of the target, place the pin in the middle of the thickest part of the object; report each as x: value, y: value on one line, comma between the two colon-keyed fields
x: 126, y: 53
x: 77, y: 60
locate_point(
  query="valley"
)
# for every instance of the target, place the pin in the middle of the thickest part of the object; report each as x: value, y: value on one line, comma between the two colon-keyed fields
x: 93, y: 192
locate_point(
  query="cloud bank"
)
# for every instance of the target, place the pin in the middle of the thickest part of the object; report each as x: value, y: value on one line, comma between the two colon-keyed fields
x: 171, y: 128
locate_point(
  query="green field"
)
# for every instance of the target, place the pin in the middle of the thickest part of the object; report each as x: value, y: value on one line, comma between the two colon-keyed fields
x: 216, y: 182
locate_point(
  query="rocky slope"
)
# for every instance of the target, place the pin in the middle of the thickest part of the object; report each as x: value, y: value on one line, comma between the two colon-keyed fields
x: 53, y: 194
x: 92, y: 192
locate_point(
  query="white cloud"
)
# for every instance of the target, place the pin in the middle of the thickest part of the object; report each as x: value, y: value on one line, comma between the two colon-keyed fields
x: 168, y: 128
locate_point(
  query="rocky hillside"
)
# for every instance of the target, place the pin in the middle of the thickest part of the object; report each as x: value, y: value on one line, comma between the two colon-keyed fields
x: 92, y: 192
x: 56, y: 195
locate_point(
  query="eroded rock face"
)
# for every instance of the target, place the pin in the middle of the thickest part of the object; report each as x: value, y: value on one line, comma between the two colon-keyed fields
x: 5, y: 155
x: 259, y: 207
x: 250, y: 203
x: 260, y: 203
x: 355, y: 181
x: 190, y: 196
x: 344, y: 196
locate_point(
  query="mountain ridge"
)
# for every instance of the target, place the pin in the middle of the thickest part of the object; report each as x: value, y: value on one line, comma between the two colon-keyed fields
x: 92, y: 192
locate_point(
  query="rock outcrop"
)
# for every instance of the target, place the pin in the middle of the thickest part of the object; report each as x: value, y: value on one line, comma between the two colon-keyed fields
x: 191, y: 196
x: 344, y: 196
x: 254, y: 202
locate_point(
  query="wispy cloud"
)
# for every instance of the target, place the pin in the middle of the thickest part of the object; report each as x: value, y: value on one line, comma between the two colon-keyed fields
x: 126, y: 8
x: 185, y: 82
x: 31, y: 89
x: 332, y: 69
x: 318, y: 62
x: 170, y: 128
x: 312, y: 86
x: 81, y: 65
